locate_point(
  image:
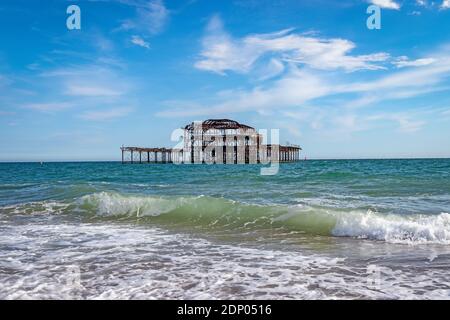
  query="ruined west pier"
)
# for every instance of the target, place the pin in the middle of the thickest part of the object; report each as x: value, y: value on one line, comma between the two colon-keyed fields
x: 216, y: 141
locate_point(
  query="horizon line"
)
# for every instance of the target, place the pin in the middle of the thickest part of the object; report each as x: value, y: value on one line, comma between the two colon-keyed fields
x: 302, y: 160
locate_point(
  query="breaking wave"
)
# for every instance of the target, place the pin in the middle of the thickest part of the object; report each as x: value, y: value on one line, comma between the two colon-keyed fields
x: 209, y: 213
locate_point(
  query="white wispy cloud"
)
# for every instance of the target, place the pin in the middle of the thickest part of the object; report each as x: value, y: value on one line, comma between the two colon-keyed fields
x: 386, y: 4
x: 284, y: 92
x: 404, y: 61
x: 417, y: 78
x: 399, y: 85
x: 338, y: 121
x: 221, y: 52
x: 91, y: 91
x: 4, y: 80
x: 137, y: 40
x: 84, y: 88
x: 151, y: 16
x: 92, y: 80
x: 299, y: 85
x: 273, y: 68
x: 406, y: 123
x: 444, y: 4
x: 101, y: 42
x: 6, y: 113
x: 104, y: 115
x: 48, y: 107
x: 329, y: 122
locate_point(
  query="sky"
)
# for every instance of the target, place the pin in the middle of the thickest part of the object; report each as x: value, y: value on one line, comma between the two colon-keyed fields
x: 138, y: 69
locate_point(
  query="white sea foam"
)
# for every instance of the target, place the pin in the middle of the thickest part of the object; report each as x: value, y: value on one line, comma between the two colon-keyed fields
x: 106, y: 261
x: 411, y: 229
x: 36, y: 208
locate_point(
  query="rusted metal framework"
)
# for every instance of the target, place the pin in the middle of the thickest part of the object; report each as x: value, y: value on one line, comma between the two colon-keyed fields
x: 221, y: 141
x: 216, y: 141
x: 147, y: 155
x: 219, y: 124
x: 288, y: 153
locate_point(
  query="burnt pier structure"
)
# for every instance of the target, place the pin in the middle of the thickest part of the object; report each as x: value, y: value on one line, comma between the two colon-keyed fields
x: 221, y: 141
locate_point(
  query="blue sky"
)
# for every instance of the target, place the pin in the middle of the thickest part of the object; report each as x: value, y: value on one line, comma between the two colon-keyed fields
x: 139, y: 69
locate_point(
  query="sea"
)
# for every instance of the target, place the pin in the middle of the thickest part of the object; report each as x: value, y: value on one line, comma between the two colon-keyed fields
x: 319, y: 229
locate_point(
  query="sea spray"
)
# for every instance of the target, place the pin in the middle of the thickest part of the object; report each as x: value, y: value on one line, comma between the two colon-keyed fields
x: 410, y: 229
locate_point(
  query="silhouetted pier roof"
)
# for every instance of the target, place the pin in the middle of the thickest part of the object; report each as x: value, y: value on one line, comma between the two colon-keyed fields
x: 220, y: 124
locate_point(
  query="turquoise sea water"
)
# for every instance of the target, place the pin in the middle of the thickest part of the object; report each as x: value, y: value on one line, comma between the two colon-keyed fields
x: 317, y: 230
